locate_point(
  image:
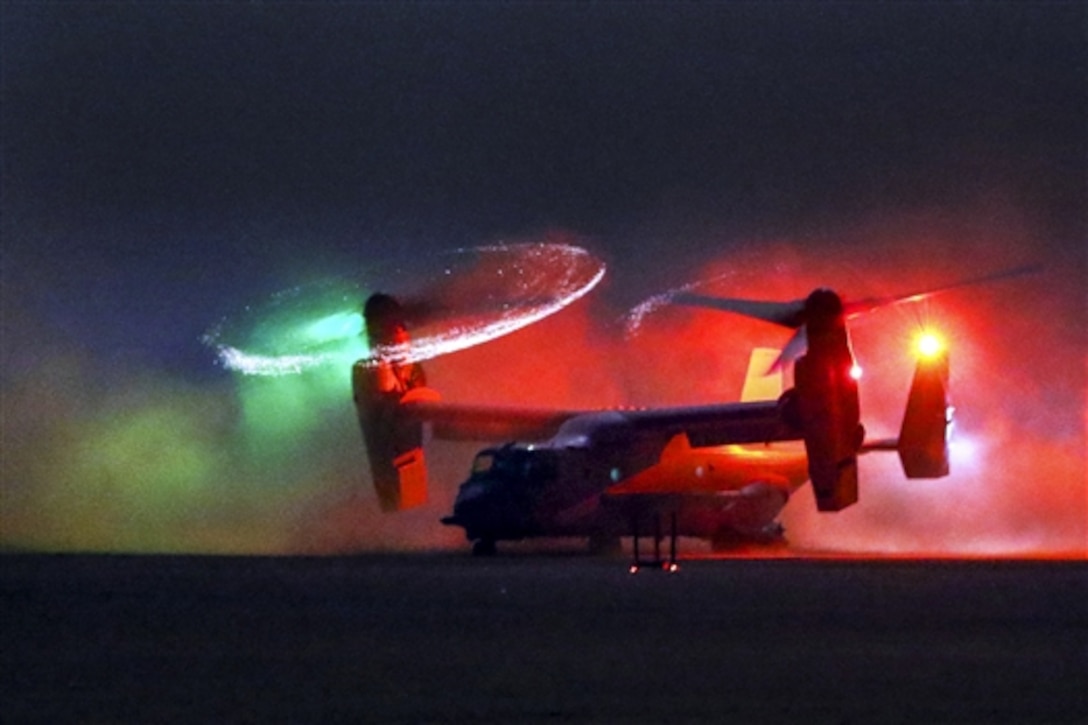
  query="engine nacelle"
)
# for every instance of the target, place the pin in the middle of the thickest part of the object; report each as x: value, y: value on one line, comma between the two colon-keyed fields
x: 828, y: 412
x: 394, y: 439
x: 383, y: 390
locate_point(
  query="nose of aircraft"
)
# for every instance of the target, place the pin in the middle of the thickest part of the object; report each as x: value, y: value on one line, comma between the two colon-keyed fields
x: 470, y: 507
x: 487, y: 509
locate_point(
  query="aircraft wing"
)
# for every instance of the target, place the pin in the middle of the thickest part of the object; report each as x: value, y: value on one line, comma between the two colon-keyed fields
x: 482, y: 423
x: 715, y: 425
x: 704, y: 425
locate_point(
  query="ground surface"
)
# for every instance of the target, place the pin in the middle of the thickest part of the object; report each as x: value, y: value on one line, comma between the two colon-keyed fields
x: 545, y: 638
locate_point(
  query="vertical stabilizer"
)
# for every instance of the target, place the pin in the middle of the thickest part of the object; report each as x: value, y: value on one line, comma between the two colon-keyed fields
x: 923, y: 439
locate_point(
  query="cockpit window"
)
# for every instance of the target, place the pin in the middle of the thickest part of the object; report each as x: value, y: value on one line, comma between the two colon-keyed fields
x: 483, y: 463
x: 516, y: 465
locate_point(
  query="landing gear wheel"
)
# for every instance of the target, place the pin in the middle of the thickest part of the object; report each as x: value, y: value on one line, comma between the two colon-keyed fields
x: 483, y: 547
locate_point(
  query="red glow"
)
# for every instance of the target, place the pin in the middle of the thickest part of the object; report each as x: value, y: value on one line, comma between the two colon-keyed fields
x: 1017, y: 486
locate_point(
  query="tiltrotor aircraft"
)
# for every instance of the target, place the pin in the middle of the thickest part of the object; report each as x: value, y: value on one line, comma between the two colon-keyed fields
x: 721, y: 471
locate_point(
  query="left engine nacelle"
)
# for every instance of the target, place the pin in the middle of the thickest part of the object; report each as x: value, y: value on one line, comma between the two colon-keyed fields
x: 384, y: 389
x: 394, y: 440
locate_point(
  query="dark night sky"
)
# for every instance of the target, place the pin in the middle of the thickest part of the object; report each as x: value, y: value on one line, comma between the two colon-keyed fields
x: 157, y: 157
x: 166, y: 163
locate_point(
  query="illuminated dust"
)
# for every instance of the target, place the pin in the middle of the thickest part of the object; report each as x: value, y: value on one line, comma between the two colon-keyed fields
x: 139, y: 460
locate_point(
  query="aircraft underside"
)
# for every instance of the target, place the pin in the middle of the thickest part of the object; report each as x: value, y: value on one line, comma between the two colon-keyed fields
x: 725, y: 520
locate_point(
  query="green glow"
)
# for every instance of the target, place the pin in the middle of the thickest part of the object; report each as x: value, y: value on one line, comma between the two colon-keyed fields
x: 293, y: 356
x: 299, y: 329
x: 285, y: 414
x: 337, y: 326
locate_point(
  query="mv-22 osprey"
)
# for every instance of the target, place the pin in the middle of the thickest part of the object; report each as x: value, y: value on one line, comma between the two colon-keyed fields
x: 721, y: 472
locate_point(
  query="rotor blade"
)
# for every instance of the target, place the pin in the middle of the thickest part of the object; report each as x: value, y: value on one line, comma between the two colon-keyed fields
x: 787, y: 314
x: 860, y: 307
x: 793, y: 350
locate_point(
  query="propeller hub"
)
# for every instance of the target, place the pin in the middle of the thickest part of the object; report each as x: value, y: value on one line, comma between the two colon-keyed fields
x: 823, y: 309
x: 384, y: 319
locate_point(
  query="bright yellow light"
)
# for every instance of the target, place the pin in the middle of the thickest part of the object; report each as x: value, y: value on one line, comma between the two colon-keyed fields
x: 928, y: 344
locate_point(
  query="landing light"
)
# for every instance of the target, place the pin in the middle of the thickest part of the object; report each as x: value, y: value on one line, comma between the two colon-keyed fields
x: 928, y: 345
x: 856, y: 372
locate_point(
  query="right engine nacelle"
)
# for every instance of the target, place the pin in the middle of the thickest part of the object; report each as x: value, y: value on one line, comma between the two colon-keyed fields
x: 828, y: 412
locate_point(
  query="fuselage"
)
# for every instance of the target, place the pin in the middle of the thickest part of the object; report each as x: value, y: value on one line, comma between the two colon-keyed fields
x: 519, y: 490
x: 715, y: 470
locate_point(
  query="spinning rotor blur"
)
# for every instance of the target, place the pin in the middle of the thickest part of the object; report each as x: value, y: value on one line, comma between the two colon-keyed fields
x: 452, y: 301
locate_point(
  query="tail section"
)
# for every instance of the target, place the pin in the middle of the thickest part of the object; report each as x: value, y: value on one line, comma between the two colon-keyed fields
x: 923, y: 438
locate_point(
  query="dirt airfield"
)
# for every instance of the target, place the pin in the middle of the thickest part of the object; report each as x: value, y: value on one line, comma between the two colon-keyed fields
x: 533, y: 636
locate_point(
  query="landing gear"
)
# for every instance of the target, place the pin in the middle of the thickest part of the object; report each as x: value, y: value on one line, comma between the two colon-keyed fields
x: 668, y: 564
x: 483, y: 547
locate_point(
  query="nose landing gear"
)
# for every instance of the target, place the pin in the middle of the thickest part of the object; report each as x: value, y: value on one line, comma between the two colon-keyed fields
x: 483, y: 547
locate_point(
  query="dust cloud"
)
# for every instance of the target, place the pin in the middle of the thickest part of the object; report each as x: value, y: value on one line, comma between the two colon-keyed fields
x: 101, y: 458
